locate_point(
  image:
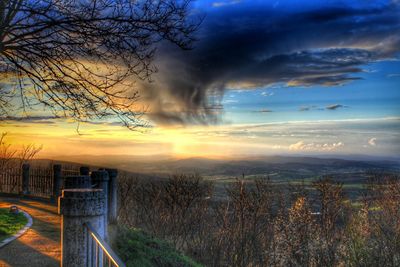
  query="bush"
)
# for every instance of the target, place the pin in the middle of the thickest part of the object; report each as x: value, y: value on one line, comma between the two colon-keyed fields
x: 264, y: 224
x: 136, y: 248
x: 10, y: 223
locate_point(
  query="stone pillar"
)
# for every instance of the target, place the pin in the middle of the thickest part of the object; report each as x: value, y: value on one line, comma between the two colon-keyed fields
x: 84, y: 170
x: 25, y: 178
x: 79, y: 181
x: 100, y: 181
x: 77, y: 207
x: 112, y: 195
x: 57, y: 181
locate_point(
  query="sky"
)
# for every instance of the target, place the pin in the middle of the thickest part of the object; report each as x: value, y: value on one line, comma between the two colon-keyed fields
x: 264, y: 77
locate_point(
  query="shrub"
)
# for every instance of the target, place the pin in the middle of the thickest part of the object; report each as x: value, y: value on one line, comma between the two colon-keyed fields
x: 136, y: 248
x: 264, y: 224
x: 10, y: 223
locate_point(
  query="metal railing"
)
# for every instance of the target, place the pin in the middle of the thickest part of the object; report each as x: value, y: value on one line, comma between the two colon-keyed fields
x: 99, y: 252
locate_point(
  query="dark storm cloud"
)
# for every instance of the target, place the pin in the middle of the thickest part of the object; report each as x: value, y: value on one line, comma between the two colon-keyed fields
x: 335, y: 106
x: 264, y: 110
x: 308, y: 108
x: 31, y: 119
x: 49, y: 120
x: 251, y: 44
x: 304, y: 108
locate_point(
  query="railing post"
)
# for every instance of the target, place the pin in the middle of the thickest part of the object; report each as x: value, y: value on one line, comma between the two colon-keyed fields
x: 112, y: 195
x: 84, y: 170
x: 77, y: 181
x: 79, y: 206
x: 57, y: 182
x: 25, y: 178
x: 100, y: 181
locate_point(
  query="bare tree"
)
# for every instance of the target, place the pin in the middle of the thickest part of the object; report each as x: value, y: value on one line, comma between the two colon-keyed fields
x: 6, y: 154
x: 12, y: 157
x: 80, y: 58
x: 330, y: 198
x: 28, y: 152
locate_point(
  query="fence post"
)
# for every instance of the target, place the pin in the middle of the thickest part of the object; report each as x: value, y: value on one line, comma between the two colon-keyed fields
x: 100, y: 181
x: 112, y: 195
x: 77, y: 181
x: 84, y: 170
x: 25, y: 178
x: 56, y: 181
x: 79, y: 206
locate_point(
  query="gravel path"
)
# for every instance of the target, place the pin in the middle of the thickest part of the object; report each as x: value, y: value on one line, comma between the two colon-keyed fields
x: 40, y: 245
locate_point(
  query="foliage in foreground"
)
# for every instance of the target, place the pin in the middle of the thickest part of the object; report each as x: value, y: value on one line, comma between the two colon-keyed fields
x: 80, y: 59
x: 10, y: 223
x: 263, y: 224
x: 136, y: 248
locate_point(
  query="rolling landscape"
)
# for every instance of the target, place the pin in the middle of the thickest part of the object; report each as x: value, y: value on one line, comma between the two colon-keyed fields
x: 280, y: 170
x: 281, y: 167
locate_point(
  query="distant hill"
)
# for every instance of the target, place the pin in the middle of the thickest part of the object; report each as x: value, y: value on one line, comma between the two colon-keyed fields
x: 291, y: 167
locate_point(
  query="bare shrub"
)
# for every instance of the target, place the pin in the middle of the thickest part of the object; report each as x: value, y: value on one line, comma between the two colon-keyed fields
x: 6, y: 153
x: 260, y: 223
x: 384, y: 216
x: 28, y: 152
x: 330, y: 198
x: 294, y: 233
x: 244, y: 225
x: 174, y: 209
x: 13, y: 157
x: 359, y: 251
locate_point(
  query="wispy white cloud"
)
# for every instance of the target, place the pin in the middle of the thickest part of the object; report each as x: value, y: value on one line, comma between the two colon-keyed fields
x: 267, y: 93
x: 230, y: 101
x: 372, y: 141
x: 225, y: 3
x: 298, y: 146
x: 301, y: 145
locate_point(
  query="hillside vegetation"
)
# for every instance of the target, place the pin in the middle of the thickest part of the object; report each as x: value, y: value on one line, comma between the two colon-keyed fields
x: 259, y: 223
x: 10, y: 223
x: 136, y: 248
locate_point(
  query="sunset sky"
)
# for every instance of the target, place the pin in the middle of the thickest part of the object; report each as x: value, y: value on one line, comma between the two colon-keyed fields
x: 264, y: 77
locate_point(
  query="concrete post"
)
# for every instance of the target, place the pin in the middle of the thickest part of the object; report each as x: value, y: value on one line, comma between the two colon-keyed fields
x: 25, y: 178
x: 80, y: 181
x: 112, y: 195
x: 100, y: 181
x: 84, y: 170
x: 79, y: 206
x: 57, y: 181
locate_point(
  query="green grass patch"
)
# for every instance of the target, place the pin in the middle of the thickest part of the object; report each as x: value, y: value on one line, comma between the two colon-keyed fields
x: 358, y: 205
x: 10, y: 223
x: 137, y: 248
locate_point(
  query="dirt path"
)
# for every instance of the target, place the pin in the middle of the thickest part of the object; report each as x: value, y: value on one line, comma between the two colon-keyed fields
x: 40, y: 245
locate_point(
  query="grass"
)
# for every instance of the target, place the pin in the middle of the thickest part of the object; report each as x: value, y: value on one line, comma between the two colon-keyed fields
x: 136, y: 248
x: 10, y: 223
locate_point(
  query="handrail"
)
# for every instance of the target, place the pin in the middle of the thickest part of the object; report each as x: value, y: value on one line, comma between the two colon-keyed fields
x: 111, y: 257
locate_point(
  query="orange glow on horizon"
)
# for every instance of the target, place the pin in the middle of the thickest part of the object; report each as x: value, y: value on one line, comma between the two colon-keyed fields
x: 60, y: 139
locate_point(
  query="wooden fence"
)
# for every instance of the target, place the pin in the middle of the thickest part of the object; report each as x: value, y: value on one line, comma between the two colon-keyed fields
x: 40, y: 180
x: 11, y: 181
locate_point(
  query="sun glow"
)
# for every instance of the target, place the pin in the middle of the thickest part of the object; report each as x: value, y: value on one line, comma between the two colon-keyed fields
x: 63, y: 138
